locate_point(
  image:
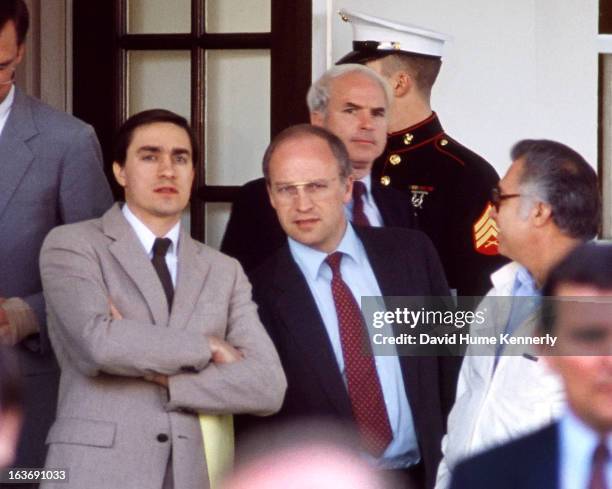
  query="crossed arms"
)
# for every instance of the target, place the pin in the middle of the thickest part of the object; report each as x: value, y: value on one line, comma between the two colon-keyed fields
x: 204, y: 372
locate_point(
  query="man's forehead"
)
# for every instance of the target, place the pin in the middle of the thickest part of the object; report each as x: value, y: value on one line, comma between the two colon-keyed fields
x: 583, y: 304
x: 8, y: 42
x: 305, y: 145
x: 8, y: 31
x: 160, y: 148
x: 308, y: 155
x: 359, y: 89
x: 162, y: 135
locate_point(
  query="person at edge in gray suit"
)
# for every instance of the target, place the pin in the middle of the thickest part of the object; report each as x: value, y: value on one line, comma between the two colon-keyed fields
x: 150, y: 327
x: 50, y: 174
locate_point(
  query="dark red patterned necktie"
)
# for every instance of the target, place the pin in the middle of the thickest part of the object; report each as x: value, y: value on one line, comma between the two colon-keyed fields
x: 598, y: 471
x: 364, y: 387
x: 359, y: 217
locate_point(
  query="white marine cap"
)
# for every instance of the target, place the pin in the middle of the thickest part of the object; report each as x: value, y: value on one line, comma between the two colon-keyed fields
x: 374, y: 37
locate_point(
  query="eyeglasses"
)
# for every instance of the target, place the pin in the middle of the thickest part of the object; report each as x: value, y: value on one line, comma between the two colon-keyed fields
x: 497, y: 197
x: 315, y: 189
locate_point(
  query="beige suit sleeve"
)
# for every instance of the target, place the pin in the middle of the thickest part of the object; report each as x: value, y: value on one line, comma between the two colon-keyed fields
x: 256, y: 384
x: 81, y: 327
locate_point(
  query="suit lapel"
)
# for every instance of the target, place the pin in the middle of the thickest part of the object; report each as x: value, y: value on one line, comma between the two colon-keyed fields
x: 385, y: 212
x: 392, y: 282
x: 128, y: 251
x: 301, y: 318
x: 15, y: 156
x: 391, y: 278
x: 190, y: 279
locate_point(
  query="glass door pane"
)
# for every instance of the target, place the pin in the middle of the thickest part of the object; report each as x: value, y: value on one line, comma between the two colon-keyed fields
x: 237, y: 114
x: 159, y: 16
x: 238, y: 16
x: 159, y: 79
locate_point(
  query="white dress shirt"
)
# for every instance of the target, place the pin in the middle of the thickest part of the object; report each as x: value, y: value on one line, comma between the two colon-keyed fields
x: 147, y: 239
x: 5, y: 108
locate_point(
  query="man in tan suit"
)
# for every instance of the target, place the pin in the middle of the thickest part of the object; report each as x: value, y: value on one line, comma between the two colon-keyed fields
x: 149, y: 326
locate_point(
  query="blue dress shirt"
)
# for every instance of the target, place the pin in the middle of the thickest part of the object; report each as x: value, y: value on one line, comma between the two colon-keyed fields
x: 577, y: 445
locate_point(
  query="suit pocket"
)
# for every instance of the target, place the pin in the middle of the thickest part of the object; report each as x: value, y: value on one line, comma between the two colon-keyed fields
x: 87, y: 432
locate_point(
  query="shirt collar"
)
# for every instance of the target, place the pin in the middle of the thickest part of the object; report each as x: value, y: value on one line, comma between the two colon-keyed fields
x: 578, y: 437
x: 425, y: 131
x: 310, y: 260
x: 367, y: 181
x: 146, y: 236
x: 7, y: 103
x: 524, y: 283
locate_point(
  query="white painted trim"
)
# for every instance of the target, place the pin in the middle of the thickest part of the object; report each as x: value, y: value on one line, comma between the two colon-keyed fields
x: 604, y: 43
x: 28, y: 72
x: 68, y: 55
x: 55, y: 57
x: 321, y: 37
x: 606, y: 146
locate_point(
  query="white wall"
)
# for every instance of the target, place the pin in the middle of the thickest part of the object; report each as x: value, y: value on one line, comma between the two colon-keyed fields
x: 514, y: 69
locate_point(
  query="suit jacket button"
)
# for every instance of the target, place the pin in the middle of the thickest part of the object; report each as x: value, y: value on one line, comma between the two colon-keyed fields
x: 189, y: 369
x: 162, y: 437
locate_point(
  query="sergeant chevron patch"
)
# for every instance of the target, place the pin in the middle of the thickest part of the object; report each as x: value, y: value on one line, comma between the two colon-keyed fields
x: 484, y: 233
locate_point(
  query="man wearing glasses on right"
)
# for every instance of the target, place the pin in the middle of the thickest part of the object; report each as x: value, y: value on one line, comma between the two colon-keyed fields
x: 545, y: 206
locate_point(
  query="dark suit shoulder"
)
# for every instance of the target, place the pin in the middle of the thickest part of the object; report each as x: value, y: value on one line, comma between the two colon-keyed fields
x: 253, y: 188
x: 262, y: 276
x: 253, y: 232
x: 513, y: 464
x: 394, y: 238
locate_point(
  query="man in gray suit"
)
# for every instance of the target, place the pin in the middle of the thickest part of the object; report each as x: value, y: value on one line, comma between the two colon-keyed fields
x: 149, y: 326
x: 51, y: 174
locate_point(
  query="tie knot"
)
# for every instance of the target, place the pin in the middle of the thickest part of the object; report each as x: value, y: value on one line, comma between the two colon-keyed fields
x: 333, y: 261
x: 161, y: 245
x: 359, y: 189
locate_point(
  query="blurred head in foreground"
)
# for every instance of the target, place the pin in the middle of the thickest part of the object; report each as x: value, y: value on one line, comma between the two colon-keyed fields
x: 302, y: 457
x: 10, y: 407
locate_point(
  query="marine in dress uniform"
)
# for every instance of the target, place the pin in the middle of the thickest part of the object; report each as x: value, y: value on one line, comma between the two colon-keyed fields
x: 448, y: 184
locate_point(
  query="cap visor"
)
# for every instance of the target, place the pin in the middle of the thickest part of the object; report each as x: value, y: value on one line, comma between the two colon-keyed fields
x: 362, y: 57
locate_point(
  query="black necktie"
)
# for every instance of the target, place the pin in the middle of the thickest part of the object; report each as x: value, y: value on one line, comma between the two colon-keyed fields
x: 160, y: 247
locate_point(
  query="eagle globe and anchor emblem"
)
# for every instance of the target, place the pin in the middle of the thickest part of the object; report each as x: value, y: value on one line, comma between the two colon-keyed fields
x: 419, y: 193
